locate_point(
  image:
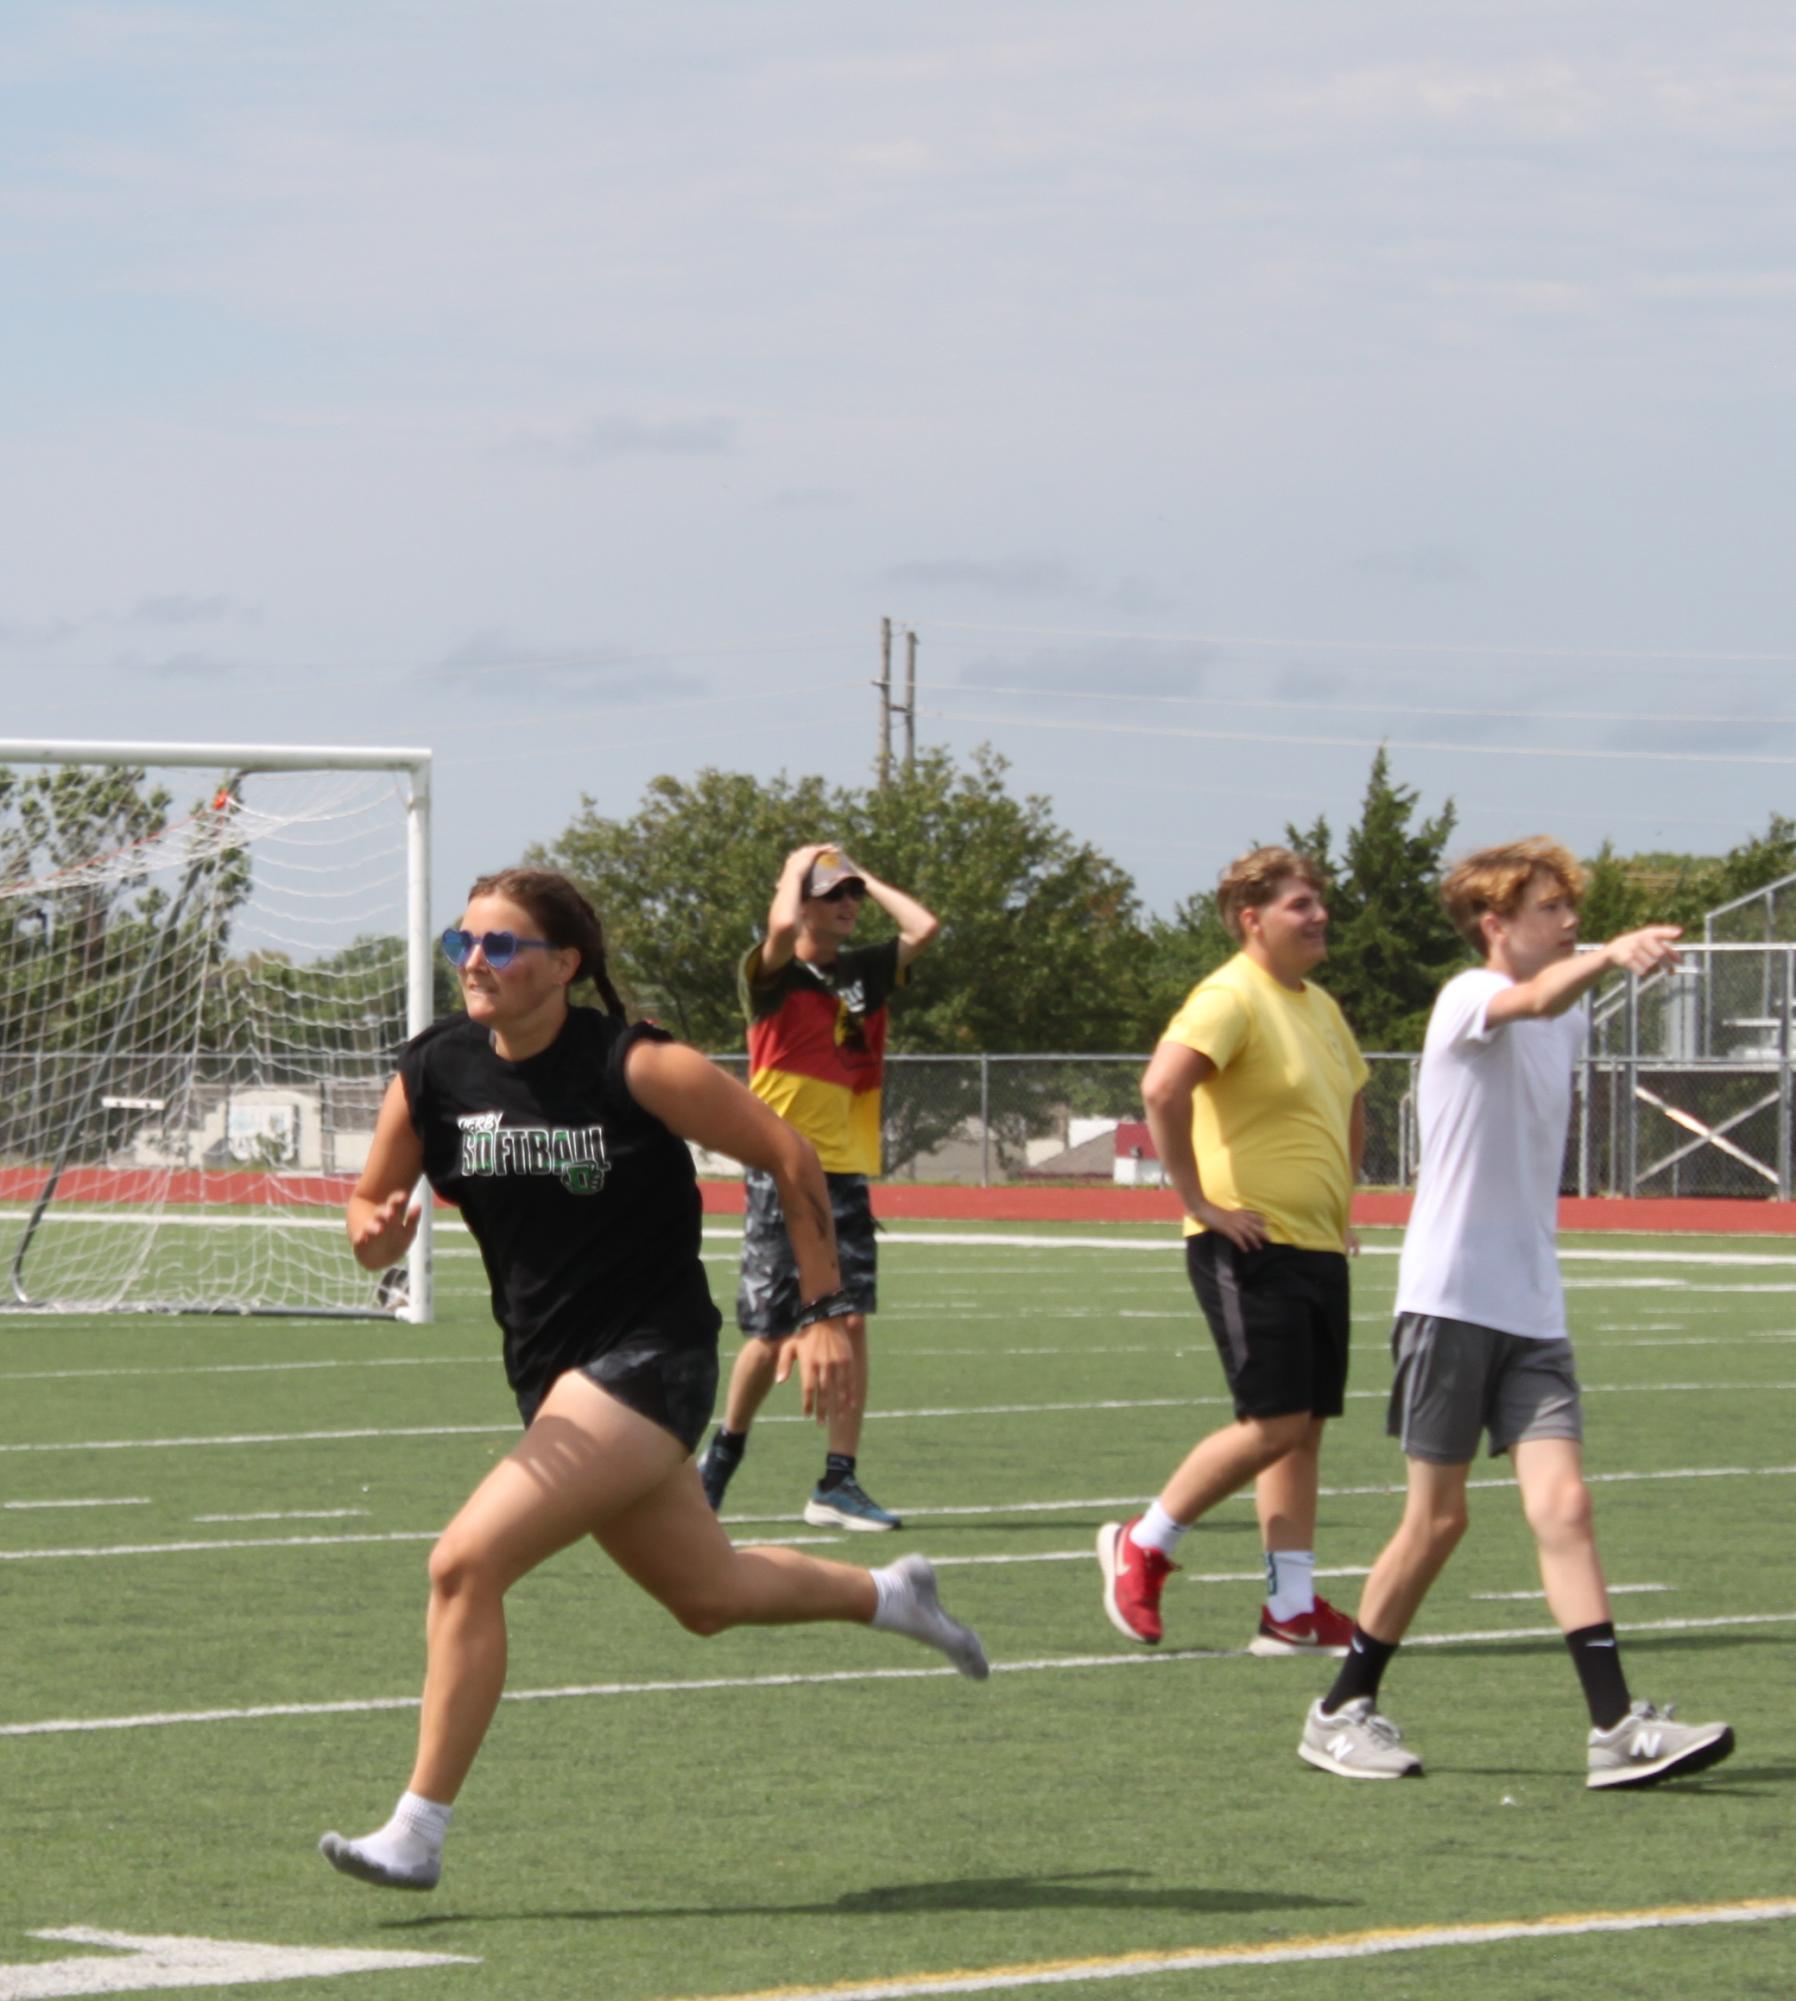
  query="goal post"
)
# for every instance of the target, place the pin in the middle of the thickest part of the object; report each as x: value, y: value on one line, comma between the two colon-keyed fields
x: 210, y: 955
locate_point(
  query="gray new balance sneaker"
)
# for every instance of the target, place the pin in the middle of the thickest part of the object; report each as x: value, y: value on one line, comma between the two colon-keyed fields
x: 1647, y: 1746
x: 1356, y: 1743
x: 847, y: 1505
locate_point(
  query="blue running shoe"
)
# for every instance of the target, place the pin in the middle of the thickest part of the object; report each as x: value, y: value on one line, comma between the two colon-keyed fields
x: 847, y: 1505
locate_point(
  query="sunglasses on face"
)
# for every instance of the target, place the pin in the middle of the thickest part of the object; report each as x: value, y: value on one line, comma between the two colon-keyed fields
x: 499, y: 947
x: 844, y: 892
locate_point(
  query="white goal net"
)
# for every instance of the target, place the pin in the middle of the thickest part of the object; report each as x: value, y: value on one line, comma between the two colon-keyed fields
x: 209, y: 958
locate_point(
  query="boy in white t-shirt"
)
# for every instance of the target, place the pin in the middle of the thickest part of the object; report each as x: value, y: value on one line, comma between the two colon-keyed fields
x: 1480, y: 1340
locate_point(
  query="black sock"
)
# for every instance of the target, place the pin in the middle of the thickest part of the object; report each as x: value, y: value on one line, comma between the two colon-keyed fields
x: 837, y: 1467
x: 1361, y: 1671
x: 1598, y: 1661
x: 729, y: 1444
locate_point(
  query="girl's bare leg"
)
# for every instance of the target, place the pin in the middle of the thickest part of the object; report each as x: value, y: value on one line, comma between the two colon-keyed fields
x: 584, y: 1458
x: 670, y: 1543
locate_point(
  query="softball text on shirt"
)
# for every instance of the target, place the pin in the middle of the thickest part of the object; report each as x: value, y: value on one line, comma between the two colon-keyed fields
x: 574, y: 1155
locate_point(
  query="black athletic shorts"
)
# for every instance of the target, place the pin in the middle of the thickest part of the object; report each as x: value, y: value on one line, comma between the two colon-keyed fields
x: 1279, y: 1317
x: 767, y: 1294
x: 675, y: 1388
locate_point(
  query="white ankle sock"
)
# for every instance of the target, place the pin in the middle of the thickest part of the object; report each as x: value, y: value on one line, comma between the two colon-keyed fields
x: 414, y: 1835
x: 1157, y: 1530
x: 1290, y: 1582
x: 906, y: 1602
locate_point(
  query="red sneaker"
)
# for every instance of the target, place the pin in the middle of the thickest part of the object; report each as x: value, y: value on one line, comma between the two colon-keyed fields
x: 1323, y: 1631
x: 1133, y: 1580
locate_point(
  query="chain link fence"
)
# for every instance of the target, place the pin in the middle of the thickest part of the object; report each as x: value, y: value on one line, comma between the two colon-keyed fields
x: 1685, y: 1089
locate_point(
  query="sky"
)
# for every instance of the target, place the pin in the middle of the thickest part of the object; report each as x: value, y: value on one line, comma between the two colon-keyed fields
x: 1216, y: 392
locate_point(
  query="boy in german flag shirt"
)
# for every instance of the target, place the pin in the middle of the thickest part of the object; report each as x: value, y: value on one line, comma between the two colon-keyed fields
x: 816, y: 1008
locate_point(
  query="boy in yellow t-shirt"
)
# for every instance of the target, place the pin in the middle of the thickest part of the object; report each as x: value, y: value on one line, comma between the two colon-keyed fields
x: 1255, y: 1101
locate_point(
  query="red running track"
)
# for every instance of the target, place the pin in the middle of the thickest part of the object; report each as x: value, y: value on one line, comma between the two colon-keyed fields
x: 1095, y: 1203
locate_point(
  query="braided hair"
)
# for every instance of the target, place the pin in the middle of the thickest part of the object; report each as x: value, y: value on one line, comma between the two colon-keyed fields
x: 568, y: 920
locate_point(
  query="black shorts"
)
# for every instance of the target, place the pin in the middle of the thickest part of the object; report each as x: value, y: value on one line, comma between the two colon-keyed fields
x: 1280, y: 1320
x: 673, y: 1387
x: 768, y: 1302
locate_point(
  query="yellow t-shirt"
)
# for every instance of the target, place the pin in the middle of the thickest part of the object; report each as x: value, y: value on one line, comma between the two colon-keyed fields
x: 1270, y: 1128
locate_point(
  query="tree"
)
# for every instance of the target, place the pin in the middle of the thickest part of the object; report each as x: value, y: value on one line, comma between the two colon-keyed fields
x: 94, y: 952
x: 1390, y: 946
x: 1623, y: 892
x: 1755, y: 864
x: 683, y: 886
x: 1041, y: 947
x: 1615, y: 898
x: 1181, y: 950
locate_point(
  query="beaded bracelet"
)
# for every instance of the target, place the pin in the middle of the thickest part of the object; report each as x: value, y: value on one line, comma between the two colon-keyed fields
x: 831, y: 1306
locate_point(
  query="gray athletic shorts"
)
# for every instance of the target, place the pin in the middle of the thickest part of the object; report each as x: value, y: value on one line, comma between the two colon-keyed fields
x: 1456, y: 1379
x: 767, y: 1292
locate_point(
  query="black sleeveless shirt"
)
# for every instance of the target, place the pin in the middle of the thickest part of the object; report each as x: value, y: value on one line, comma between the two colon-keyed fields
x: 585, y: 1207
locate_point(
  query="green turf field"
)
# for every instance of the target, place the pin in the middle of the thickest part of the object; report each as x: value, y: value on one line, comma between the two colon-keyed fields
x: 212, y: 1547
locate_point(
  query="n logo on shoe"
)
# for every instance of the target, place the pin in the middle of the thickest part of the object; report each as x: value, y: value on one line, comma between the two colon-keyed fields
x: 1648, y: 1745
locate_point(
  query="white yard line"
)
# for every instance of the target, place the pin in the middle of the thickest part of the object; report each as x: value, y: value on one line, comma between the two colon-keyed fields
x: 485, y: 1361
x: 998, y: 1514
x: 292, y: 1515
x: 715, y: 1684
x: 1539, y: 1597
x: 1073, y: 1406
x: 1590, y: 1339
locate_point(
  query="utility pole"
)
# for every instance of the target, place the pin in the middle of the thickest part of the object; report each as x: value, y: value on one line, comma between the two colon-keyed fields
x: 888, y: 708
x: 884, y: 685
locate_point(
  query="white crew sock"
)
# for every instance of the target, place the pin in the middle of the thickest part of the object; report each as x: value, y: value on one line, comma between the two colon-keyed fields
x: 1157, y: 1530
x: 1290, y: 1582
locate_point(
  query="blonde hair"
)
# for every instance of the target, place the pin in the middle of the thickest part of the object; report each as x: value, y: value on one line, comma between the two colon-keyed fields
x: 1252, y: 880
x: 1494, y: 881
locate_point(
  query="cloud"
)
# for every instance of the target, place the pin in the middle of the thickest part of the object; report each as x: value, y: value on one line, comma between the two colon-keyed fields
x: 1725, y: 287
x: 602, y: 439
x: 1310, y: 684
x: 1008, y: 576
x: 1541, y: 98
x: 181, y: 608
x: 812, y: 496
x: 36, y: 632
x: 492, y: 663
x: 1140, y: 597
x: 1427, y: 563
x: 1532, y: 298
x: 1116, y: 670
x: 184, y: 667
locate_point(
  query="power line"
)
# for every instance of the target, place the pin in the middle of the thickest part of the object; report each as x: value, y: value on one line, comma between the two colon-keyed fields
x: 1114, y: 695
x: 1474, y: 650
x: 1369, y: 743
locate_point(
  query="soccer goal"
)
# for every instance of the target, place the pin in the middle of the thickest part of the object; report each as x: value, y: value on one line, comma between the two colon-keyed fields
x: 209, y: 957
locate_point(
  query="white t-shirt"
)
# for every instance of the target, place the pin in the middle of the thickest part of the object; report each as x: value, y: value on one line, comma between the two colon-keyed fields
x: 1493, y: 1105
